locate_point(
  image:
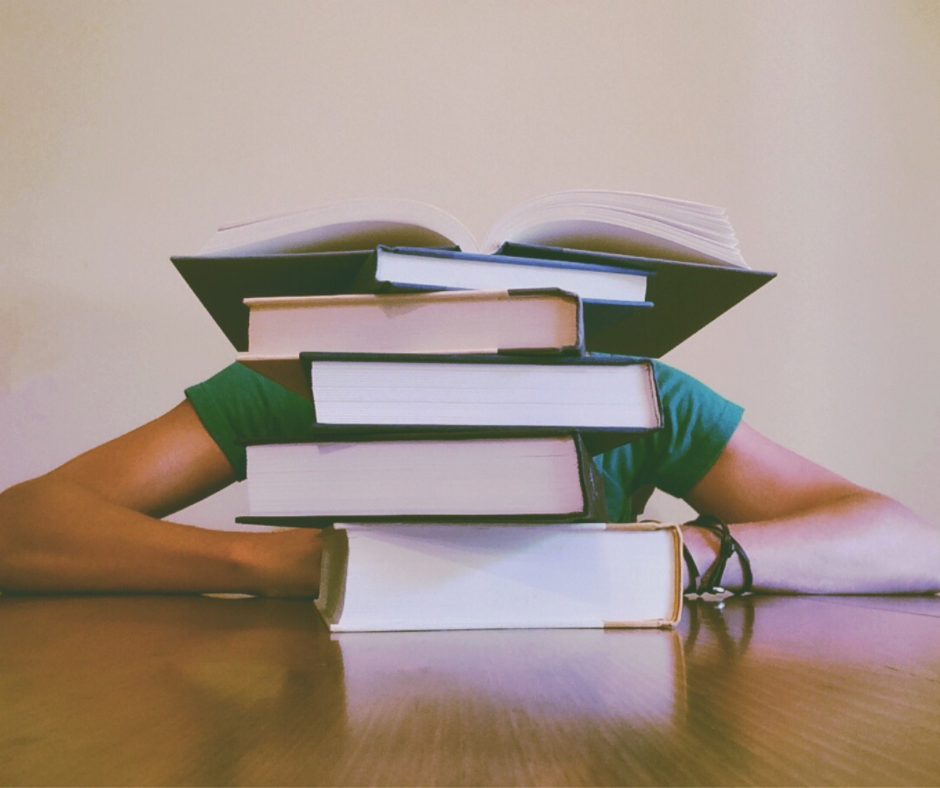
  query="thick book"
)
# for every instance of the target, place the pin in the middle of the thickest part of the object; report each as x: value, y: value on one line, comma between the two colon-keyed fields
x: 398, y: 577
x: 377, y: 477
x: 604, y: 221
x: 449, y: 322
x: 593, y: 394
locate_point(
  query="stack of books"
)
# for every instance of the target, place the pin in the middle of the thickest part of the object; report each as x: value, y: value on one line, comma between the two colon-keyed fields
x: 460, y: 391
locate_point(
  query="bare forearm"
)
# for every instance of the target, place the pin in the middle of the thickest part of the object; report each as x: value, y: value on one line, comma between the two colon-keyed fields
x: 57, y: 537
x: 859, y: 544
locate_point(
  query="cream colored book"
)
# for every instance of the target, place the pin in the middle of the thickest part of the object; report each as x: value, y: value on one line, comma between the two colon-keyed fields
x: 396, y: 577
x: 476, y: 476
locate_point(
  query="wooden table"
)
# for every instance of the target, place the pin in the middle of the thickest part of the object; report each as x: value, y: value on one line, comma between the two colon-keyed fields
x: 208, y: 691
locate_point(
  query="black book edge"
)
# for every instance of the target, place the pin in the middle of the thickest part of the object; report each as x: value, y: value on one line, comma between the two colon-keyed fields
x: 593, y: 495
x: 477, y: 358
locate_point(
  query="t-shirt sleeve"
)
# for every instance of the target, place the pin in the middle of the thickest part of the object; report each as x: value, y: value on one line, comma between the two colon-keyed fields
x: 697, y: 425
x: 238, y: 405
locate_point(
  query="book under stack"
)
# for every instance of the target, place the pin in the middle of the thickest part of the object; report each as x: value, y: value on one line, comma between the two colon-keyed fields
x: 459, y: 398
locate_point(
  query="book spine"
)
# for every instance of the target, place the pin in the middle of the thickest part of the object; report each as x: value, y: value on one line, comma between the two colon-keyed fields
x: 365, y: 281
x: 592, y: 484
x: 677, y: 567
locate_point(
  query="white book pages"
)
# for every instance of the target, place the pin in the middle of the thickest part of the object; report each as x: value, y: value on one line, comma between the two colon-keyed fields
x: 401, y: 577
x: 342, y: 226
x: 441, y: 322
x: 506, y: 477
x: 617, y: 222
x: 621, y: 223
x: 481, y: 394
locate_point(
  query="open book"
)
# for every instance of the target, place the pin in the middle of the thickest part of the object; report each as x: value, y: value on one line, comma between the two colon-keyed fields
x: 593, y: 220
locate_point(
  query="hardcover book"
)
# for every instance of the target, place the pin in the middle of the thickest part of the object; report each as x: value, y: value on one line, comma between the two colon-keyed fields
x: 398, y: 577
x: 424, y: 476
x: 448, y: 269
x: 615, y: 397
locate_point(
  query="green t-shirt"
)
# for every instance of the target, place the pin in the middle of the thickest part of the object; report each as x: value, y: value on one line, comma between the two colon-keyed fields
x: 239, y: 405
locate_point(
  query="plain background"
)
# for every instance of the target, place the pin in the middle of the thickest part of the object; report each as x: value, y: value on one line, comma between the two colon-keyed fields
x: 130, y: 130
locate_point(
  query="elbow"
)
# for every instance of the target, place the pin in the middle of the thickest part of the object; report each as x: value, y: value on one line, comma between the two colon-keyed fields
x: 890, y: 510
x: 17, y: 499
x: 13, y: 502
x: 20, y: 506
x: 907, y: 547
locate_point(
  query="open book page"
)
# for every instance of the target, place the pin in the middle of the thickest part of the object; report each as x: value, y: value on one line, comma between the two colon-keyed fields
x: 616, y: 222
x: 621, y: 223
x: 343, y: 226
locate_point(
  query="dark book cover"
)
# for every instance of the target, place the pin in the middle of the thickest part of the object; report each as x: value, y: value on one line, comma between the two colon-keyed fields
x: 686, y: 297
x: 222, y: 283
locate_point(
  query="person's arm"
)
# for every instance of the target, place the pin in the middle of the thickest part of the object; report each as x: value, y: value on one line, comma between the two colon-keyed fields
x: 808, y: 530
x: 92, y: 524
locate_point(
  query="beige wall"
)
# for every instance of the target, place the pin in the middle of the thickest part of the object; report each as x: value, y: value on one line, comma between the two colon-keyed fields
x: 130, y: 130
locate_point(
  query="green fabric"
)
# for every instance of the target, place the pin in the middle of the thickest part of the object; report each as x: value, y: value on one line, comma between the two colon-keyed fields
x: 697, y: 425
x: 240, y: 405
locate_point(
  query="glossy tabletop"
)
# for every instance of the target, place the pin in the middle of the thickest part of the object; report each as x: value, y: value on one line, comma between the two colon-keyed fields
x: 217, y: 691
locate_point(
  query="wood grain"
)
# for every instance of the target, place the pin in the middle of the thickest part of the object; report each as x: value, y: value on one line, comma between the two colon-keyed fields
x: 206, y: 691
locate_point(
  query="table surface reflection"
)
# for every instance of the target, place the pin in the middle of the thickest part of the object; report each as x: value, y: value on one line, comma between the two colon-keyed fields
x: 209, y: 691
